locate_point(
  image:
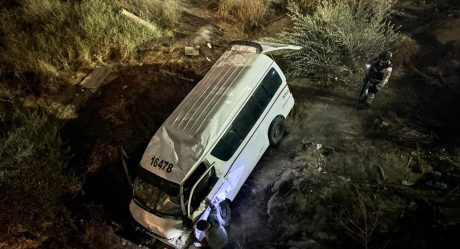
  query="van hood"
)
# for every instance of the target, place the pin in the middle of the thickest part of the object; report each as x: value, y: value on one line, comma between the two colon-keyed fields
x: 166, y: 228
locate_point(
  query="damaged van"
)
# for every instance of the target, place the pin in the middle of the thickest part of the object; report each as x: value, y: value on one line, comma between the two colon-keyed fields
x: 211, y: 142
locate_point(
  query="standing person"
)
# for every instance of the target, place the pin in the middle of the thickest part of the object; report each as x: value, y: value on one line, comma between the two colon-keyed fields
x: 377, y: 75
x: 215, y: 233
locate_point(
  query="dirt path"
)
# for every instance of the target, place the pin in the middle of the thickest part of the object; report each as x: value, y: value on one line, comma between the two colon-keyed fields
x: 319, y: 117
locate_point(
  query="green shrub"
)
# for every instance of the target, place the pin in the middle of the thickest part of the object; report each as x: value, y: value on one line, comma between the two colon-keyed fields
x: 338, y: 37
x: 54, y: 39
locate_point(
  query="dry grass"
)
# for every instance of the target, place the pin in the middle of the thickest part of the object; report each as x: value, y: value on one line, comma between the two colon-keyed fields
x: 68, y: 36
x: 248, y: 13
x: 165, y: 13
x: 31, y: 178
x: 406, y: 48
x: 304, y: 6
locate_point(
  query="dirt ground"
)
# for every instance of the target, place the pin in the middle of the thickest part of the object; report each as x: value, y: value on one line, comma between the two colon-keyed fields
x: 351, y: 144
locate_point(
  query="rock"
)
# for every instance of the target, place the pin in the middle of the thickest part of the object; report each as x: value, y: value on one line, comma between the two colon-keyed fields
x: 402, y: 14
x: 207, y: 34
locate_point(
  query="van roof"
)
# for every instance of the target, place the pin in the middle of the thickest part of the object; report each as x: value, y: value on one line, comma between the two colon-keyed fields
x: 199, y: 120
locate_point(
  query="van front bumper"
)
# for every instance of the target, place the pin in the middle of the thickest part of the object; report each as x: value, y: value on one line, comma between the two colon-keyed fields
x: 168, y: 231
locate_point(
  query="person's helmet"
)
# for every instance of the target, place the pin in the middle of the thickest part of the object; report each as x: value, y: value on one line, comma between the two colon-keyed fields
x: 202, y: 225
x: 385, y: 56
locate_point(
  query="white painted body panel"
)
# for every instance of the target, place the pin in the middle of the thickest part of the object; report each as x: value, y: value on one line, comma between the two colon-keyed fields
x: 240, y: 166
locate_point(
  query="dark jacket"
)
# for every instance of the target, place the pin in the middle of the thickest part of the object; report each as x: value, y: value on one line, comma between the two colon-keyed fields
x: 377, y: 72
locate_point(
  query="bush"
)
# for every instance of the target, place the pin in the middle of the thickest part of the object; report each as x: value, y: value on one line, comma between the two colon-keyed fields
x: 66, y: 37
x: 248, y: 13
x: 338, y: 38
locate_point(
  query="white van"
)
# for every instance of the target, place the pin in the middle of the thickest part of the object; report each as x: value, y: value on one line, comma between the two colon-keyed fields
x: 211, y: 142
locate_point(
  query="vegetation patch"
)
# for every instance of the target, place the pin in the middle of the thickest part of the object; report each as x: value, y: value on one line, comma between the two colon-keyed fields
x: 31, y: 177
x: 53, y: 39
x: 249, y: 14
x: 337, y: 38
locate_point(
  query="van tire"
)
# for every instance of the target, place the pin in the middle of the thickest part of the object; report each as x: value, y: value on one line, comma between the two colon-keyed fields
x: 225, y: 212
x: 276, y: 131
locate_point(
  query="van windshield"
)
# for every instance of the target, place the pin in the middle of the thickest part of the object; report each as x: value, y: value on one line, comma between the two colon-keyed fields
x: 157, y: 195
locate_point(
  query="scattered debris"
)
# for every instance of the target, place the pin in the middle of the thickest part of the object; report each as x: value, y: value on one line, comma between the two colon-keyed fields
x: 139, y: 20
x: 408, y: 162
x: 95, y: 79
x: 208, y: 34
x: 381, y: 173
x: 407, y: 183
x: 176, y: 75
x: 436, y: 184
x: 191, y: 51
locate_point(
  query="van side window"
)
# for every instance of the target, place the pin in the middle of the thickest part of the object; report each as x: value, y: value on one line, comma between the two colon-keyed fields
x: 272, y: 82
x: 248, y: 116
x: 227, y: 145
x: 203, y: 188
x: 261, y: 96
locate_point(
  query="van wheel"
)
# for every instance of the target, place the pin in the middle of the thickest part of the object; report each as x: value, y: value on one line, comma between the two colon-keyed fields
x: 225, y: 211
x: 276, y: 131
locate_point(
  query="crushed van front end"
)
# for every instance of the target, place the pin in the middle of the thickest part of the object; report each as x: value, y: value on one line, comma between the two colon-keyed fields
x: 168, y: 230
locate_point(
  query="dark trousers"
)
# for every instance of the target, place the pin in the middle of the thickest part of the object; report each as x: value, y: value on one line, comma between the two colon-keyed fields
x: 371, y: 87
